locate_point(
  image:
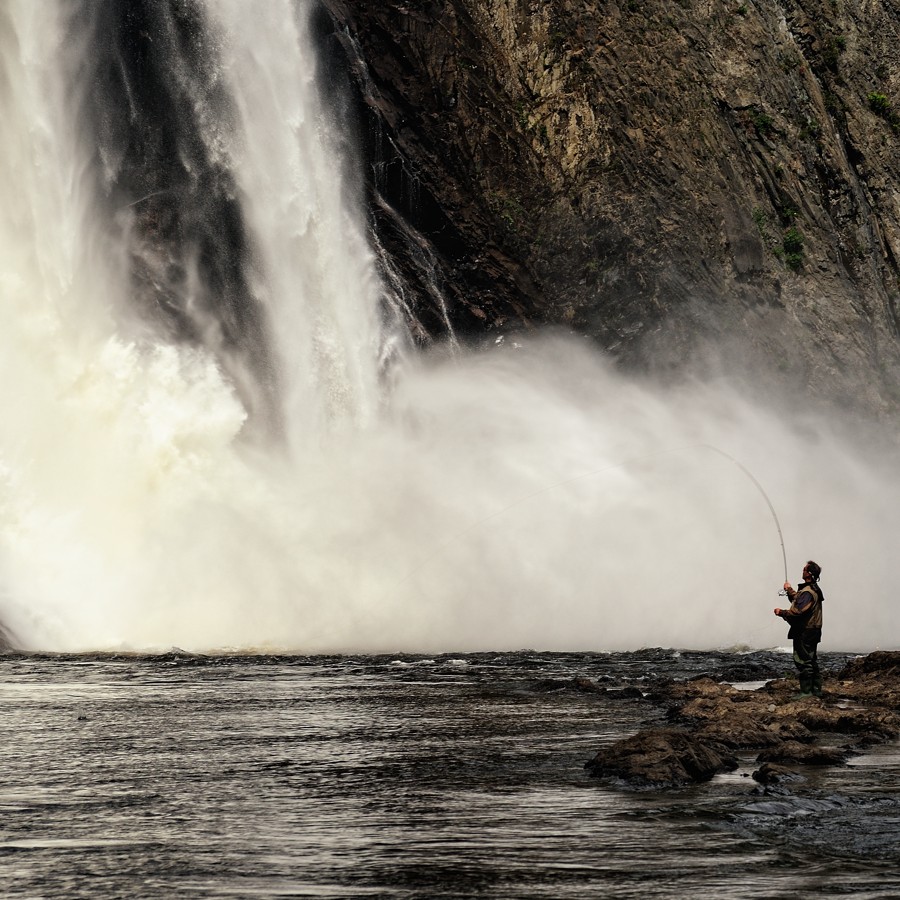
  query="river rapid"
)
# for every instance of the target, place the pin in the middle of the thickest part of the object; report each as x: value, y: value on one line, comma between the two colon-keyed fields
x: 408, y: 777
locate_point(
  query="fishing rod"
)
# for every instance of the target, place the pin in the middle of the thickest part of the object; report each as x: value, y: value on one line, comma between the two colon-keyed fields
x: 557, y: 484
x: 760, y: 488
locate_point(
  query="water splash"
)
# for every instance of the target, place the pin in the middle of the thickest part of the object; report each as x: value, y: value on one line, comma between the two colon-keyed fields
x: 135, y: 514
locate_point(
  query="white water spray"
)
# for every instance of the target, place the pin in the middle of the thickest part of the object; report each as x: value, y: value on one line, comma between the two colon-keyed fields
x: 134, y: 517
x: 312, y: 268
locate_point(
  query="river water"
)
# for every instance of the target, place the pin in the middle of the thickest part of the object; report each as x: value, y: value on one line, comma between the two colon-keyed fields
x: 463, y: 776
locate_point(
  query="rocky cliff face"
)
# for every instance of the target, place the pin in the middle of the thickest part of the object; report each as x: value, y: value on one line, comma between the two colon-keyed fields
x: 665, y: 176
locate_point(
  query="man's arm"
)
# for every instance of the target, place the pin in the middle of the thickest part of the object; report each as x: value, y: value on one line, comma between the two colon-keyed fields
x: 800, y: 603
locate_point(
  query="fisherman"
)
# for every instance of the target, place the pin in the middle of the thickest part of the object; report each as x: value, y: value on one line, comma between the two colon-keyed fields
x: 805, y: 619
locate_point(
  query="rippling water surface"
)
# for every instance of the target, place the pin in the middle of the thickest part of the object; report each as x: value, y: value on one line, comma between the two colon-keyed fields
x: 413, y: 777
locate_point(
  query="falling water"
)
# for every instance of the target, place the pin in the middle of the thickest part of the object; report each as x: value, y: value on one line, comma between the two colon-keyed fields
x: 529, y: 496
x: 312, y: 269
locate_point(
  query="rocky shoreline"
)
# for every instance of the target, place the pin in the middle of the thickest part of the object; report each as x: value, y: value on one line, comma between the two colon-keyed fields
x: 712, y: 722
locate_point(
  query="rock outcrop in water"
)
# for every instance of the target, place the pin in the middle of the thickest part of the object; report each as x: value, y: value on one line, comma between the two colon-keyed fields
x: 715, y: 722
x: 663, y: 177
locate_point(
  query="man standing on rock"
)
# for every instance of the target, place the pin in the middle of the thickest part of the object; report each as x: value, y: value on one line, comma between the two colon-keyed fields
x: 805, y: 619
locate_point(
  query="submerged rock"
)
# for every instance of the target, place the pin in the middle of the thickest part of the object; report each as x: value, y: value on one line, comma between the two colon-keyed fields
x: 579, y: 684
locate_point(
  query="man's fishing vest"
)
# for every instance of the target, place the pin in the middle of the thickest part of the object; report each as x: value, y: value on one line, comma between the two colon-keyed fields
x: 811, y: 617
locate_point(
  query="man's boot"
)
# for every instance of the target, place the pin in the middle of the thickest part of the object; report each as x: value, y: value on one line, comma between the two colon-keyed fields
x: 806, y: 685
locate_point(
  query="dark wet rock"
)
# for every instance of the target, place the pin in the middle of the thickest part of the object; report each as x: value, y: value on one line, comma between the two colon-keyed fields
x: 883, y: 663
x: 791, y: 730
x: 586, y: 686
x: 773, y: 790
x: 659, y: 692
x: 872, y: 680
x: 662, y: 756
x: 740, y: 733
x: 749, y: 671
x: 862, y: 701
x: 771, y: 773
x: 868, y: 722
x: 804, y: 754
x: 704, y: 687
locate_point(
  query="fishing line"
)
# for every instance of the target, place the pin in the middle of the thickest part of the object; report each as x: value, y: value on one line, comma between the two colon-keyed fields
x: 620, y: 465
x: 750, y: 475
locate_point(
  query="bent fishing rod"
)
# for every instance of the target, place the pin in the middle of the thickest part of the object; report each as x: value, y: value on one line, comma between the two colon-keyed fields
x: 557, y: 484
x: 760, y: 488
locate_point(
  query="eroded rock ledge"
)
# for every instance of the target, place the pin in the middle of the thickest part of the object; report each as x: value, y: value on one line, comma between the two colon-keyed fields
x: 712, y: 722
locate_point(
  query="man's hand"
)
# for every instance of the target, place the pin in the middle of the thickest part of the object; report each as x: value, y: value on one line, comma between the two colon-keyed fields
x: 787, y: 585
x: 777, y: 611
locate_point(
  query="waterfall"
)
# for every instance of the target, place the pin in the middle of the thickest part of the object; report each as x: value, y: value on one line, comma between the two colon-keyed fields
x: 198, y: 447
x: 122, y: 437
x: 312, y: 269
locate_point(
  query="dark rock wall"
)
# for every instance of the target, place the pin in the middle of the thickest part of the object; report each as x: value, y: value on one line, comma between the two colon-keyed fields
x: 151, y: 77
x: 665, y: 177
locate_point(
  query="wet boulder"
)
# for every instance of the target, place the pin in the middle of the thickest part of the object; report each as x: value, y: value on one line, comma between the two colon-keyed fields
x: 882, y: 663
x: 748, y: 671
x: 739, y: 732
x: 772, y: 773
x: 804, y: 754
x: 661, y: 757
x: 791, y: 730
x: 699, y: 689
x: 871, y: 724
x: 872, y: 679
